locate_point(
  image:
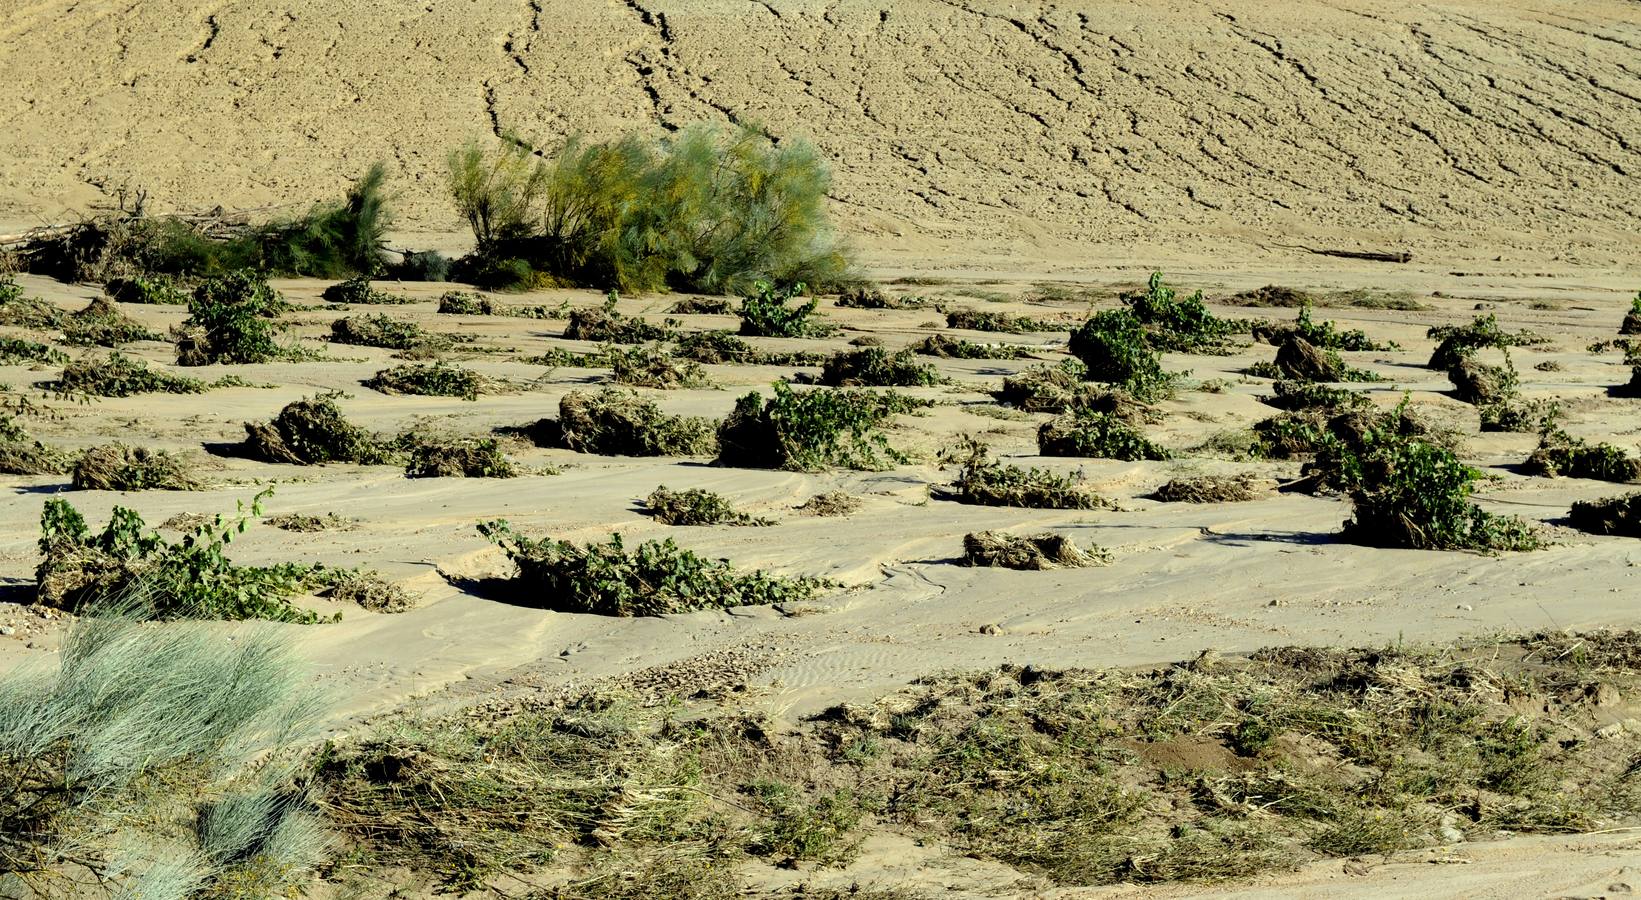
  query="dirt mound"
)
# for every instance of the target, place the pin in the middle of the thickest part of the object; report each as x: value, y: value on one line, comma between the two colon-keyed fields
x: 1407, y: 127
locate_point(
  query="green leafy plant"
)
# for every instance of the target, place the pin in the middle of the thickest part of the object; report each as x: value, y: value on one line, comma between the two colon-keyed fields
x: 1113, y: 348
x: 1455, y: 341
x: 604, y: 324
x: 428, y: 379
x: 191, y: 578
x: 231, y: 319
x: 1559, y: 453
x: 811, y: 430
x: 766, y: 313
x: 1095, y: 433
x: 950, y: 348
x: 653, y: 367
x: 877, y: 367
x: 16, y: 351
x: 26, y: 312
x: 1175, y: 324
x: 991, y: 320
x: 1324, y: 334
x: 985, y: 481
x: 655, y: 578
x: 696, y: 507
x: 380, y: 330
x: 466, y: 303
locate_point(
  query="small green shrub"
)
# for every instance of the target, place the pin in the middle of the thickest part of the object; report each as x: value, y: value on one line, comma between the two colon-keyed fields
x: 696, y: 507
x: 101, y: 324
x: 1031, y: 552
x: 381, y: 330
x: 877, y: 367
x: 1174, y: 324
x: 157, y: 289
x: 311, y: 431
x: 1519, y: 416
x: 1098, y: 434
x: 231, y: 320
x: 654, y: 367
x: 1455, y: 341
x: 358, y: 290
x: 720, y: 347
x: 1113, y: 348
x: 466, y: 303
x: 1294, y: 395
x: 766, y: 313
x: 985, y: 481
x: 1048, y: 388
x: 189, y: 579
x: 461, y: 458
x: 621, y: 423
x: 656, y: 578
x: 117, y: 375
x: 820, y: 831
x: 1632, y: 318
x: 1559, y: 453
x: 421, y: 265
x: 117, y: 467
x: 991, y: 320
x: 951, y: 348
x: 1409, y: 493
x: 1481, y: 384
x: 15, y: 351
x: 1609, y: 515
x: 428, y: 379
x: 810, y: 431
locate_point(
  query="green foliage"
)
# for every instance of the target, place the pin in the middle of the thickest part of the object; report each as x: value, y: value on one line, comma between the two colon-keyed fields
x: 821, y: 830
x: 1174, y: 324
x: 1294, y: 395
x: 877, y: 367
x: 604, y: 324
x: 22, y: 455
x: 657, y: 578
x: 621, y: 423
x: 703, y: 210
x: 865, y: 297
x: 231, y: 320
x: 27, y: 312
x: 16, y: 351
x: 1325, y: 335
x: 101, y: 324
x: 991, y: 320
x: 985, y: 481
x: 148, y: 289
x: 810, y: 431
x: 428, y: 379
x: 696, y: 507
x: 1559, y: 453
x: 1608, y: 515
x: 766, y: 313
x: 1456, y: 341
x: 312, y: 431
x: 149, y: 760
x: 192, y: 578
x: 1113, y: 348
x: 1408, y: 492
x: 701, y: 306
x: 359, y: 290
x: 117, y: 467
x: 117, y: 375
x: 460, y: 458
x: 1094, y: 433
x: 720, y: 347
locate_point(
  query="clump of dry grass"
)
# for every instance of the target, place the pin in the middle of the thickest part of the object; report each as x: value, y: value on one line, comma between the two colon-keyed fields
x: 359, y: 290
x: 1559, y: 453
x: 304, y: 522
x: 429, y: 379
x: 466, y: 303
x: 621, y: 423
x: 1209, y: 489
x: 877, y: 367
x: 20, y: 454
x: 380, y: 330
x: 654, y: 367
x: 311, y: 431
x: 459, y: 458
x: 369, y: 590
x: 117, y: 467
x: 101, y: 324
x: 20, y: 311
x: 985, y: 481
x: 831, y: 503
x: 605, y: 325
x: 699, y: 306
x: 1046, y: 388
x: 940, y: 345
x: 117, y: 375
x: 696, y: 507
x: 1034, y: 552
x: 1609, y: 515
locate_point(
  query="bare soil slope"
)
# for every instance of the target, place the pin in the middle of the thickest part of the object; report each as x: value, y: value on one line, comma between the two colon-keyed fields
x: 1467, y: 129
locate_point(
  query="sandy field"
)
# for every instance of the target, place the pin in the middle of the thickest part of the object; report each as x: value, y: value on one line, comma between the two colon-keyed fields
x: 1025, y: 158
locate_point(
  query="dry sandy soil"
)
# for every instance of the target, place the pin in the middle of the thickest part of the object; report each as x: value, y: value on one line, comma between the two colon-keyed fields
x: 1001, y: 146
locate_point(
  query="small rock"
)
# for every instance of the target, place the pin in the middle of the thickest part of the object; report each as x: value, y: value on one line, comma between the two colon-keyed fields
x: 1605, y: 732
x: 990, y: 628
x: 1466, y: 607
x: 7, y: 630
